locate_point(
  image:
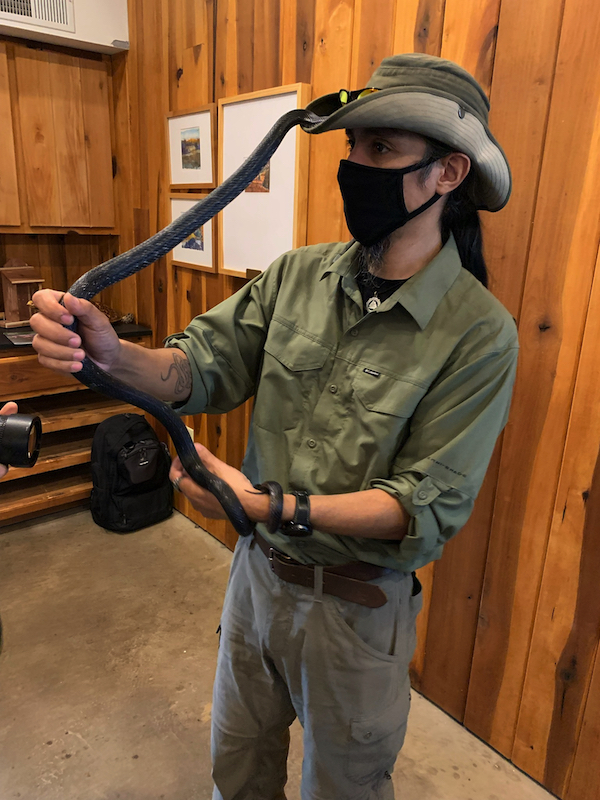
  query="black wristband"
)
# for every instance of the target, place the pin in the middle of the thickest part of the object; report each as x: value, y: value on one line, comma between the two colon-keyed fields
x: 300, y: 525
x: 275, y: 492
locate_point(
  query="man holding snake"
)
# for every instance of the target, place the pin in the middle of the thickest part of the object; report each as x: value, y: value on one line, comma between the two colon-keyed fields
x: 382, y: 371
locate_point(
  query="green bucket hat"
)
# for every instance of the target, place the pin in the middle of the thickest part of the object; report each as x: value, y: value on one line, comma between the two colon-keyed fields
x: 432, y: 97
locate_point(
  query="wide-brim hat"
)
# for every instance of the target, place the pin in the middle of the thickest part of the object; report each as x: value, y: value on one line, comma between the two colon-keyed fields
x: 432, y: 97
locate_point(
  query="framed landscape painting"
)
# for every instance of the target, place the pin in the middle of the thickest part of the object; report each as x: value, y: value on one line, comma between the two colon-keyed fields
x: 192, y: 142
x: 269, y: 216
x: 197, y: 251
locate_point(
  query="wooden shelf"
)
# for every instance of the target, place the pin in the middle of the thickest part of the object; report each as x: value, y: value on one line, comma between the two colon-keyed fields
x: 61, y: 477
x: 58, y: 451
x: 43, y: 493
x: 76, y: 410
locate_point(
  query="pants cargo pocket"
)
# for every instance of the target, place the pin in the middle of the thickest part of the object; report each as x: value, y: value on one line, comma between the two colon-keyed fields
x: 375, y: 743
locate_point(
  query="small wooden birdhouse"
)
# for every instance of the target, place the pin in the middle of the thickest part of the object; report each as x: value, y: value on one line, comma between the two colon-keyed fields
x: 19, y: 282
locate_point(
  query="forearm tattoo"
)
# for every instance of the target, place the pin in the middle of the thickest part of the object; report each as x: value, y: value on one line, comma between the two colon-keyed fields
x: 183, y: 373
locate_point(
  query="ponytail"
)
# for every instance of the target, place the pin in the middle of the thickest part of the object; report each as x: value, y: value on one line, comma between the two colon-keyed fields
x: 461, y: 219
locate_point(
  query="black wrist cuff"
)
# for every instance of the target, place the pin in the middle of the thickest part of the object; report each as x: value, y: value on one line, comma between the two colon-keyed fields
x: 300, y: 525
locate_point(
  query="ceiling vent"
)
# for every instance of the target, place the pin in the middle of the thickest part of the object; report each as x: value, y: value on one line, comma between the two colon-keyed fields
x: 53, y: 14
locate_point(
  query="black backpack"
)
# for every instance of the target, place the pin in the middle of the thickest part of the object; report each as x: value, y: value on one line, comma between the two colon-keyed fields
x: 130, y: 475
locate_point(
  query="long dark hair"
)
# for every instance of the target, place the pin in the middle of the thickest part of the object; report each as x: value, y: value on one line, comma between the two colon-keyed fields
x: 460, y: 217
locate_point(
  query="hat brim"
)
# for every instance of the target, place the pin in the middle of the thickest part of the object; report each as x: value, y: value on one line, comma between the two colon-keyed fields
x: 430, y: 115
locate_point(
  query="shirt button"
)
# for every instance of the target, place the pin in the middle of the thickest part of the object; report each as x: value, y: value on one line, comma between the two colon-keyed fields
x: 333, y: 388
x: 422, y: 495
x: 311, y: 443
x: 353, y: 332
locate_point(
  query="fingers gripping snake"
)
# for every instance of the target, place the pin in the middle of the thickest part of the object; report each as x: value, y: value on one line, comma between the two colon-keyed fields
x: 134, y: 260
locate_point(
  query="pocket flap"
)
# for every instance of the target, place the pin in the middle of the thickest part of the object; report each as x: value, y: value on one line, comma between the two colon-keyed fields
x: 294, y: 349
x: 386, y: 394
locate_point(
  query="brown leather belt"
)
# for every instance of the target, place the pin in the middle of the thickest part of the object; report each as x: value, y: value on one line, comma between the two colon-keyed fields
x: 347, y: 581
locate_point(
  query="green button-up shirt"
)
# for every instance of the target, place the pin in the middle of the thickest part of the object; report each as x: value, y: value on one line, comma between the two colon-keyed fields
x: 409, y: 399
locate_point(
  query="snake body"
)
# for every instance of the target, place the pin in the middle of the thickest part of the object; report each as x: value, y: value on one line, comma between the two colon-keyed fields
x: 134, y: 260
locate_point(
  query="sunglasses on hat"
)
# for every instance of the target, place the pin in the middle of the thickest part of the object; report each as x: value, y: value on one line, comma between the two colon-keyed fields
x: 346, y: 96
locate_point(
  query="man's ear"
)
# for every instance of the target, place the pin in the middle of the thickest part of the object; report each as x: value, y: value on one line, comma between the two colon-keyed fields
x: 455, y: 168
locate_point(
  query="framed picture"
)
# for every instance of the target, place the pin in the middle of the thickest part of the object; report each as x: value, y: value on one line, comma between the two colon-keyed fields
x: 197, y: 251
x: 269, y: 217
x: 192, y: 142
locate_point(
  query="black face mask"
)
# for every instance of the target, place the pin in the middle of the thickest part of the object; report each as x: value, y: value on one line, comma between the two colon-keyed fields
x: 374, y: 199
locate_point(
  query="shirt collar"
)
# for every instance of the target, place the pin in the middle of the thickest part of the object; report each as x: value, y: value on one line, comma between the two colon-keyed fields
x: 422, y: 293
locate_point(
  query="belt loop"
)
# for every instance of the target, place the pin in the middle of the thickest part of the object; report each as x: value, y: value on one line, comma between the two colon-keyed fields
x: 318, y: 590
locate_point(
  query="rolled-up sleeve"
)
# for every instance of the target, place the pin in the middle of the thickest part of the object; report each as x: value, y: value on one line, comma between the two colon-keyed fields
x: 225, y: 345
x: 439, y: 470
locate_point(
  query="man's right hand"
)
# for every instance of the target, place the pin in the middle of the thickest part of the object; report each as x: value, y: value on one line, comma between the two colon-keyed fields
x: 62, y: 350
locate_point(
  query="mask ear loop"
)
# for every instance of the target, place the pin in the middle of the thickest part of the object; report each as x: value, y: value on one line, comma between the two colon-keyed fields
x: 425, y: 162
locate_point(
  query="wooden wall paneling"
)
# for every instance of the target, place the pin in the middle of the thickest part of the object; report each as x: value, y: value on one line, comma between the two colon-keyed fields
x: 419, y: 25
x: 559, y: 273
x: 10, y: 213
x: 454, y: 610
x: 373, y: 38
x: 469, y: 36
x: 52, y: 264
x: 267, y: 67
x: 97, y: 138
x: 297, y: 40
x: 331, y: 71
x: 18, y: 137
x: 234, y: 57
x: 524, y: 68
x: 67, y: 112
x: 189, y: 40
x: 584, y: 783
x: 567, y: 625
x: 46, y: 252
x: 78, y: 255
x: 523, y: 75
x: 244, y: 43
x: 22, y: 245
x: 37, y: 136
x: 225, y: 50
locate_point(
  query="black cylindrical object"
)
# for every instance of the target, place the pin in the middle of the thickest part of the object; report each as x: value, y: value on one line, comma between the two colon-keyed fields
x: 20, y: 437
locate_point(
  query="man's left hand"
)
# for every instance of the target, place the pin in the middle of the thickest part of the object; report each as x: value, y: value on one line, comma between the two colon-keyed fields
x: 205, y: 502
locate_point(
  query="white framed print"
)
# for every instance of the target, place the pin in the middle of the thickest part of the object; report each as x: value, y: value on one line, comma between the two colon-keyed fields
x: 197, y: 251
x: 269, y: 216
x: 192, y: 142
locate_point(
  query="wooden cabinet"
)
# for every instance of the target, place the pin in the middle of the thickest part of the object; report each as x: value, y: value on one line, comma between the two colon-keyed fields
x: 69, y: 413
x: 9, y: 196
x: 55, y: 112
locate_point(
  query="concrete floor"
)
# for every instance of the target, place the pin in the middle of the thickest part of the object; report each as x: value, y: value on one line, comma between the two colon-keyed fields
x: 106, y: 674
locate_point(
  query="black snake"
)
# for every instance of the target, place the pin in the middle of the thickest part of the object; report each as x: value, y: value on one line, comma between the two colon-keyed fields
x: 126, y: 264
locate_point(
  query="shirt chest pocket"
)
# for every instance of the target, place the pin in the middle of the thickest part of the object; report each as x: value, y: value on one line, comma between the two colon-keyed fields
x: 384, y: 404
x: 290, y: 377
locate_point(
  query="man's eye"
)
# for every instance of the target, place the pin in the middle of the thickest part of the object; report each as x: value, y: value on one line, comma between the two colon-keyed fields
x: 350, y: 143
x: 380, y: 147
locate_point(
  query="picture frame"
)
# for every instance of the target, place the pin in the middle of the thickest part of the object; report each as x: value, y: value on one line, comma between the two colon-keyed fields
x: 269, y: 217
x: 198, y: 251
x: 191, y: 140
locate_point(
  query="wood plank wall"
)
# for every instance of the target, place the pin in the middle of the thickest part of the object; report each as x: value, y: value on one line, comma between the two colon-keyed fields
x: 508, y: 640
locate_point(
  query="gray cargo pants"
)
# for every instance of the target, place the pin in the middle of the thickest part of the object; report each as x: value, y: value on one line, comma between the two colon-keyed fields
x: 340, y: 667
